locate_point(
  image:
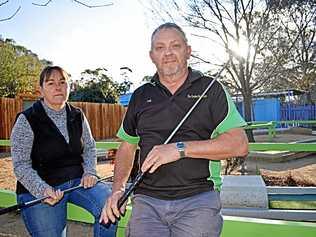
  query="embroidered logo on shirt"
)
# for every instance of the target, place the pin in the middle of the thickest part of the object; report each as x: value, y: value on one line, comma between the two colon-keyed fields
x: 192, y: 96
x: 148, y: 100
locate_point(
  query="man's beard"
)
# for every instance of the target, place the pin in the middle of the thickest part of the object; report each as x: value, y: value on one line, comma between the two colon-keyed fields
x: 170, y: 71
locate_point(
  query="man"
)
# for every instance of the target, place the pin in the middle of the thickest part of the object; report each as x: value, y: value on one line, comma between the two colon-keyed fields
x: 176, y: 197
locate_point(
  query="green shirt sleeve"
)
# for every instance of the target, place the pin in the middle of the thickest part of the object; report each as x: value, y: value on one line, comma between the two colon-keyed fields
x: 232, y: 120
x: 125, y: 137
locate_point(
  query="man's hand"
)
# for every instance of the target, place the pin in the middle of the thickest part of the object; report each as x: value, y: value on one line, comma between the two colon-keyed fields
x: 110, y: 210
x: 88, y: 181
x: 159, y: 155
x: 54, y: 196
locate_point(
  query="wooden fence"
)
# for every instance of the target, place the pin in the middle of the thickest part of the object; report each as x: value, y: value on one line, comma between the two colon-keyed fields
x: 104, y: 119
x: 8, y: 110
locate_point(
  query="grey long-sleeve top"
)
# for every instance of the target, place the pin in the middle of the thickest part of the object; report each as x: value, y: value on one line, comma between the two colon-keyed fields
x: 21, y: 146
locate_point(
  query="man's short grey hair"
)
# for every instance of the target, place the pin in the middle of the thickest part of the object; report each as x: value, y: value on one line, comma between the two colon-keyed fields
x: 168, y: 25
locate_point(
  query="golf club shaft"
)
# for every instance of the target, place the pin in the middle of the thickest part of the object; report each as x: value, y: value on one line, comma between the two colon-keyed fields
x: 39, y: 200
x: 130, y: 189
x: 141, y: 174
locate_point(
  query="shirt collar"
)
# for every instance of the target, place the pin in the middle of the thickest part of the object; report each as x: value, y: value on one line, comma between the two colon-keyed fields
x: 192, y: 76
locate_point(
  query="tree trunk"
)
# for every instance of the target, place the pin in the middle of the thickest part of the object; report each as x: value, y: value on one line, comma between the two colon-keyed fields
x: 248, y: 117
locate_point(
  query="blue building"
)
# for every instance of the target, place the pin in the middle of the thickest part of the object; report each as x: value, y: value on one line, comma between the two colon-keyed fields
x: 271, y: 106
x: 124, y: 99
x: 275, y: 106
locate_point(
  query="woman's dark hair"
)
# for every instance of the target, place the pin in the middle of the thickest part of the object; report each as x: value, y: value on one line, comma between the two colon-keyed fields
x: 47, y: 71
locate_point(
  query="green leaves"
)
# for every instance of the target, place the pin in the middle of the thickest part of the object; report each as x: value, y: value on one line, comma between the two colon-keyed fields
x: 97, y: 86
x: 19, y: 69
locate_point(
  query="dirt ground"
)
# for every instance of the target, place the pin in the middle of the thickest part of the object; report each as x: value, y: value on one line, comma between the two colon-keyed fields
x: 296, y: 166
x: 300, y: 171
x: 295, y: 170
x: 8, y: 180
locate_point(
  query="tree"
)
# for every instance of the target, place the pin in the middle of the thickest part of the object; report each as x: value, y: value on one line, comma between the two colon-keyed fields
x: 97, y: 86
x: 46, y: 4
x: 298, y: 28
x: 19, y: 69
x: 243, y: 28
x: 234, y: 26
x: 147, y: 78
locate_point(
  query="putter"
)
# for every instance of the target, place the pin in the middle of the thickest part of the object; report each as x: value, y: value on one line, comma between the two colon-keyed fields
x: 141, y: 174
x: 39, y: 200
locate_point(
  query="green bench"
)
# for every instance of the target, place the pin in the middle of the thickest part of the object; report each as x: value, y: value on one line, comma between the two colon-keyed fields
x: 74, y: 212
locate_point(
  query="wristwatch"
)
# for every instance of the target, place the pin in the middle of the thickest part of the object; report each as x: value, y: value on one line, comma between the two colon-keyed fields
x: 181, y: 149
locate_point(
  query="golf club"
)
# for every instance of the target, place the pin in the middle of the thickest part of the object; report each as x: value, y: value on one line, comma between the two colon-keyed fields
x: 39, y: 200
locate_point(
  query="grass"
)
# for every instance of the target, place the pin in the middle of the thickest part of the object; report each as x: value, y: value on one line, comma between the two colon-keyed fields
x: 296, y: 205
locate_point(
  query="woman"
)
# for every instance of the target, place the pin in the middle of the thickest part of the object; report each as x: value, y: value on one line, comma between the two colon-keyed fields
x: 52, y: 150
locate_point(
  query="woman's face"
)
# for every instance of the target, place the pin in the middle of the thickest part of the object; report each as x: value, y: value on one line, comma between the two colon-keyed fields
x: 55, y: 90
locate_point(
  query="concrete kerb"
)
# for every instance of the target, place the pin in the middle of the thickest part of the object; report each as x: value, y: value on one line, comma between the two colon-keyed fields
x: 244, y: 192
x: 291, y: 190
x: 247, y: 196
x: 272, y: 214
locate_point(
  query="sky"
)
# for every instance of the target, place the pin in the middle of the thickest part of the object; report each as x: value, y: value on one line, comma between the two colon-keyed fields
x: 78, y: 38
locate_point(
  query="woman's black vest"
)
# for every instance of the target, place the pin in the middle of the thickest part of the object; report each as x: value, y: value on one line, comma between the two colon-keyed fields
x: 55, y: 160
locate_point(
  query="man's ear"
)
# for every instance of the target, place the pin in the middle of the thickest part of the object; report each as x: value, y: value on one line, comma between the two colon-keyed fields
x: 151, y: 55
x: 189, y: 51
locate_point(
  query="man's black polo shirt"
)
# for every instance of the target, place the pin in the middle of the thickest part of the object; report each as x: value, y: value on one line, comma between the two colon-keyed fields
x: 153, y: 113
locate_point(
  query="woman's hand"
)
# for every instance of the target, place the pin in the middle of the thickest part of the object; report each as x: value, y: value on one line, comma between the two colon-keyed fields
x: 54, y: 196
x: 88, y: 181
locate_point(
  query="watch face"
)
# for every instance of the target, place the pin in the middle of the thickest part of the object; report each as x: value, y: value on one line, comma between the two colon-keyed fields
x: 180, y: 145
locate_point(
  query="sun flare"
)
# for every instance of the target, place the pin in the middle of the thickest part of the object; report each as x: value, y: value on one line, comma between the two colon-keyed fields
x: 241, y: 49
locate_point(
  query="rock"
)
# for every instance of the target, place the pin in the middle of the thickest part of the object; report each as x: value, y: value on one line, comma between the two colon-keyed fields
x: 277, y: 178
x: 303, y: 177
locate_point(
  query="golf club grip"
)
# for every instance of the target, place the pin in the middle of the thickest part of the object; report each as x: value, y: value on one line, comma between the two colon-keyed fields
x: 130, y: 189
x: 9, y: 209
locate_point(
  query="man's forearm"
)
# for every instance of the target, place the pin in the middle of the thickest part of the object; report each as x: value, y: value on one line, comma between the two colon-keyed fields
x: 231, y: 144
x: 123, y: 165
